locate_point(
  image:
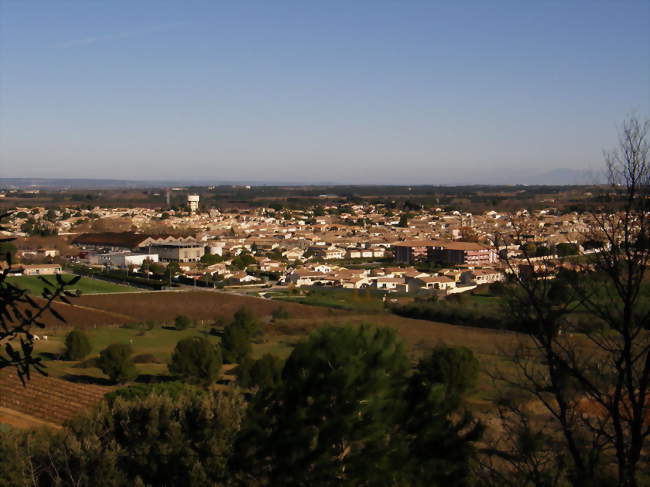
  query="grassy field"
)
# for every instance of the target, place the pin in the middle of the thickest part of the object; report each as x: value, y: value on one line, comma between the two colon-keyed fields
x: 110, y: 318
x: 86, y: 285
x: 346, y: 299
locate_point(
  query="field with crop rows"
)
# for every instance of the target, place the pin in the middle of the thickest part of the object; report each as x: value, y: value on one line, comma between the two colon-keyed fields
x: 48, y: 399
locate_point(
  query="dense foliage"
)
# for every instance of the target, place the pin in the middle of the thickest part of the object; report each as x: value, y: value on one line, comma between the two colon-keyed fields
x: 156, y: 440
x: 115, y: 361
x: 77, y: 345
x: 196, y: 360
x: 344, y: 414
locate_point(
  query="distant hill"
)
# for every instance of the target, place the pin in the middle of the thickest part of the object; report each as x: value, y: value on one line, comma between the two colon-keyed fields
x: 569, y: 176
x: 554, y: 177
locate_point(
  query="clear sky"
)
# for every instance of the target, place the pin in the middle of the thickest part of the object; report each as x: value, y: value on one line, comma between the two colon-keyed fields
x: 342, y: 91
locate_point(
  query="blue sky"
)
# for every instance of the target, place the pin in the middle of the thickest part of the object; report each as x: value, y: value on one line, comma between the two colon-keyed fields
x: 362, y: 92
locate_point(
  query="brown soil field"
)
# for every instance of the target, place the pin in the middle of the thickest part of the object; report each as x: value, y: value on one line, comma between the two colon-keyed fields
x: 47, y: 399
x: 199, y: 305
x: 78, y: 315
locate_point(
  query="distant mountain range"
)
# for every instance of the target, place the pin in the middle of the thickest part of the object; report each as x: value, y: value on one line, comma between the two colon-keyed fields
x: 555, y: 177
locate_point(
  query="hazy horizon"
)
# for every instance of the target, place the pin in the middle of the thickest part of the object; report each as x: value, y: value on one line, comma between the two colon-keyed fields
x: 355, y: 93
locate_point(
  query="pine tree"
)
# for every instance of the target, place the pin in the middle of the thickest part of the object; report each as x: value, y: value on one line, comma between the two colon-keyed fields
x: 196, y: 359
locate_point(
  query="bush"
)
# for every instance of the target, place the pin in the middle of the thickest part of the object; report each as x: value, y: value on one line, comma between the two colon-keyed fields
x: 173, y: 389
x: 115, y: 361
x: 183, y: 322
x: 183, y: 439
x: 196, y: 359
x: 450, y: 312
x: 77, y: 345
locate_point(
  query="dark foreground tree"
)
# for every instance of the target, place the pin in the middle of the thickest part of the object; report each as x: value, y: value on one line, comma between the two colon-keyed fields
x: 156, y: 440
x: 263, y: 373
x: 20, y: 315
x: 593, y: 381
x: 341, y: 416
x: 115, y: 361
x: 77, y: 345
x: 197, y: 360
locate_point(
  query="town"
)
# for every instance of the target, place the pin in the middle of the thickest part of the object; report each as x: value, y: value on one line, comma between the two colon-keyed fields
x: 355, y: 246
x: 314, y: 244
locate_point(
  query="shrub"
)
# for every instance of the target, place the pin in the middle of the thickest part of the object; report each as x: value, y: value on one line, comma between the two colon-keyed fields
x: 183, y: 322
x: 77, y: 345
x: 115, y: 361
x: 173, y: 389
x: 182, y: 439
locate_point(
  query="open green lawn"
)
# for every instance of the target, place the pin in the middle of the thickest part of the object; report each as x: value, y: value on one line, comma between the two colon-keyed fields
x: 159, y: 342
x: 86, y: 285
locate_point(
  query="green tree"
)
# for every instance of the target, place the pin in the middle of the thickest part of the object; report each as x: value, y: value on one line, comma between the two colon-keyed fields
x: 334, y: 411
x: 152, y: 440
x: 115, y: 361
x: 157, y: 268
x: 265, y: 372
x: 210, y: 259
x: 77, y: 345
x: 235, y: 344
x: 171, y: 270
x: 565, y: 249
x: 183, y: 322
x: 7, y: 251
x: 346, y: 413
x: 242, y: 261
x: 247, y: 320
x: 437, y: 451
x: 196, y: 359
x: 456, y: 368
x: 403, y: 221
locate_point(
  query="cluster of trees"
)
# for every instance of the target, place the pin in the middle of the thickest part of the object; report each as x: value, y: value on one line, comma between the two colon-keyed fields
x: 346, y: 408
x: 349, y: 409
x: 38, y: 227
x: 563, y: 249
x: 449, y: 311
x: 115, y: 361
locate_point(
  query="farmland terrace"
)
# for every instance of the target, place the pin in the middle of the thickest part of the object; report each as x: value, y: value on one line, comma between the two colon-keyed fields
x: 45, y: 399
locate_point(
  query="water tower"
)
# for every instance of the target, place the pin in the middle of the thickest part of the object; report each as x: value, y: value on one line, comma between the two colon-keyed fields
x: 193, y: 202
